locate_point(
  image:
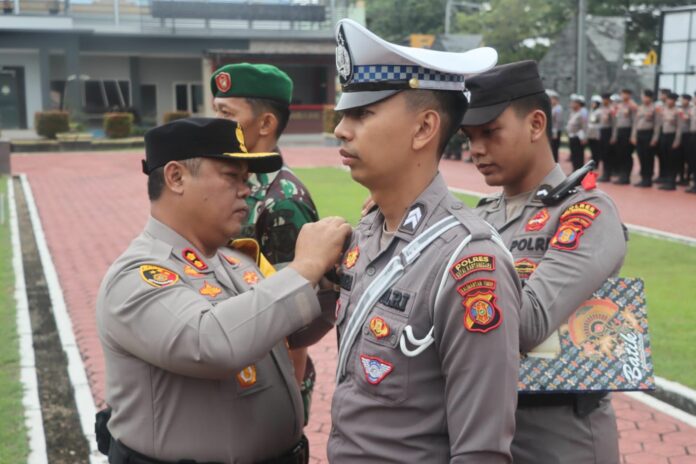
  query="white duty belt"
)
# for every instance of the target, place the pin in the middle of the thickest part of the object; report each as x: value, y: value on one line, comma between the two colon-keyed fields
x: 384, y: 280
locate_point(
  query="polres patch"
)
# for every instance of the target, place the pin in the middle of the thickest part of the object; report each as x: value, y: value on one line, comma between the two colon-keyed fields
x: 582, y: 209
x: 223, y: 82
x: 470, y: 264
x: 375, y: 369
x: 481, y: 314
x: 538, y: 221
x: 158, y: 276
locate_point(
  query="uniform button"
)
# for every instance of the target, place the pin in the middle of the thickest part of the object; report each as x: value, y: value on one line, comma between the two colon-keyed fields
x: 392, y: 338
x: 370, y: 271
x: 366, y: 330
x: 457, y: 206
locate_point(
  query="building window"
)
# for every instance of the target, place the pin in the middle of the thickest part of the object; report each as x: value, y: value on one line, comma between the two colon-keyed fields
x: 106, y: 95
x: 188, y: 97
x: 148, y: 109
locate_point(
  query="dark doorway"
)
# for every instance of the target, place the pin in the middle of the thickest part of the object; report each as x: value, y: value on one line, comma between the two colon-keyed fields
x: 13, y: 110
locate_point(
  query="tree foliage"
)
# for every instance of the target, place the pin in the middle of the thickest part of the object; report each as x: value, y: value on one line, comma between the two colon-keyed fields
x: 517, y: 29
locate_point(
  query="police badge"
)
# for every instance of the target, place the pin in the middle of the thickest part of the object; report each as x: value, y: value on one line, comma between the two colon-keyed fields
x: 344, y: 62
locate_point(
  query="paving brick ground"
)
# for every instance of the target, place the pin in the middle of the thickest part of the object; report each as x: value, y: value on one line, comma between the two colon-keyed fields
x: 93, y: 204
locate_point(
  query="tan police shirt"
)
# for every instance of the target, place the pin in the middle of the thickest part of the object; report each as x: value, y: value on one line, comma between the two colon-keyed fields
x: 645, y: 120
x: 563, y: 253
x: 625, y: 113
x: 577, y: 124
x: 196, y: 362
x: 454, y: 401
x: 668, y: 122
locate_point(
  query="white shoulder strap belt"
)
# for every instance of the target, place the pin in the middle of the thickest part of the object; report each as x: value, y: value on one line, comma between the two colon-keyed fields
x: 384, y: 280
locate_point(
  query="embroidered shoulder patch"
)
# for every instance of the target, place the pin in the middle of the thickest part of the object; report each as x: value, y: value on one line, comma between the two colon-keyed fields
x: 538, y: 221
x: 191, y: 272
x: 525, y: 267
x: 481, y: 314
x: 158, y: 276
x: 375, y: 369
x: 351, y: 257
x: 471, y: 264
x: 582, y: 209
x: 192, y: 258
x: 486, y: 284
x: 567, y: 236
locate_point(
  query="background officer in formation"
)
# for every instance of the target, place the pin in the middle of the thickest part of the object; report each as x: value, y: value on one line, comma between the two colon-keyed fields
x: 577, y: 130
x: 196, y: 362
x: 625, y: 111
x: 669, y: 129
x: 556, y: 122
x: 685, y: 121
x: 258, y: 97
x: 691, y: 149
x: 427, y: 317
x: 593, y: 126
x: 563, y: 252
x: 644, y: 137
x: 606, y: 124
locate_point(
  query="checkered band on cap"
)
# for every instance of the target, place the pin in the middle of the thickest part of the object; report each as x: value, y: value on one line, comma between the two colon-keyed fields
x: 427, y: 78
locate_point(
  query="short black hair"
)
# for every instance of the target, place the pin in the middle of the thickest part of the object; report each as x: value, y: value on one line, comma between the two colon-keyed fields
x: 451, y: 107
x: 673, y: 96
x: 628, y: 91
x: 279, y: 109
x: 648, y: 93
x: 606, y: 96
x: 538, y: 101
x: 686, y: 96
x: 155, y: 180
x: 665, y: 91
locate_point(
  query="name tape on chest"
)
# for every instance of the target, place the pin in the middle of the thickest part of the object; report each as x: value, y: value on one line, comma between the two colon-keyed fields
x: 470, y: 264
x: 158, y: 276
x: 395, y: 299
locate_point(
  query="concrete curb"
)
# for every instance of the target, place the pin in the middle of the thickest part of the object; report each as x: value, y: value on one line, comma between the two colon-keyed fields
x: 76, y: 370
x: 33, y: 418
x: 676, y: 394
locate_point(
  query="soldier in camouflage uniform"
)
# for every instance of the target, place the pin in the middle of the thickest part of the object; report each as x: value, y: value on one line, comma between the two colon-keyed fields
x: 258, y: 96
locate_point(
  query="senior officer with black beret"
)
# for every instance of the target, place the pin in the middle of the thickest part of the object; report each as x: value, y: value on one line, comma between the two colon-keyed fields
x: 427, y: 318
x: 197, y: 368
x: 564, y: 247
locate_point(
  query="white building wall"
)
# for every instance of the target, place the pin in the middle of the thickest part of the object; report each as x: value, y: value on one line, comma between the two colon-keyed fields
x: 29, y: 60
x: 165, y: 73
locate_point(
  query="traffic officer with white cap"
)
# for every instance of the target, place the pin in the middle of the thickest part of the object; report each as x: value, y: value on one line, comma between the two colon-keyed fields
x: 566, y: 241
x: 197, y: 368
x: 427, y: 317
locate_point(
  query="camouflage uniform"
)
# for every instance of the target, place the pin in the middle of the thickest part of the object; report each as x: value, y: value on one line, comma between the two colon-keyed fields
x: 279, y: 205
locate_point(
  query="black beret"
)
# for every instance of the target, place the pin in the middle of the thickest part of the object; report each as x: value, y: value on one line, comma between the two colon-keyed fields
x: 494, y: 90
x: 189, y: 138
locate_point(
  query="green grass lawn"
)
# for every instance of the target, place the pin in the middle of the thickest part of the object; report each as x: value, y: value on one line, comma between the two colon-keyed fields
x: 668, y: 268
x: 13, y: 438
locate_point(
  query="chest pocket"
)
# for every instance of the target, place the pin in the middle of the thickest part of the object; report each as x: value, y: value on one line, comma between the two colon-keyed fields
x: 380, y: 369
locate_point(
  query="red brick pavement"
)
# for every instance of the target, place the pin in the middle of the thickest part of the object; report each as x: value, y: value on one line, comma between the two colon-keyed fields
x: 92, y: 204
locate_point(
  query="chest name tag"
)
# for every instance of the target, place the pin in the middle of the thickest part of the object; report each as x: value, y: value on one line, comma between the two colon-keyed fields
x: 395, y: 299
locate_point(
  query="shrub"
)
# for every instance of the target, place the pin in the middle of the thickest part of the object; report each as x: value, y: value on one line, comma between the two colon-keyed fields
x: 49, y: 123
x: 331, y: 118
x: 118, y: 125
x: 173, y: 115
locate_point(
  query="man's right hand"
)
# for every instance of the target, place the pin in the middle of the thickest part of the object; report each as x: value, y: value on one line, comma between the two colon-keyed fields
x: 319, y: 247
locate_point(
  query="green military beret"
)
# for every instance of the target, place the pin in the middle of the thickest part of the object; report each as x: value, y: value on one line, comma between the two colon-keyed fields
x: 251, y: 81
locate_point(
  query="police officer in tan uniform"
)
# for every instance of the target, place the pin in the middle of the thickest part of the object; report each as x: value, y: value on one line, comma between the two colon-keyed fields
x: 691, y: 149
x: 644, y: 137
x: 621, y: 136
x: 593, y: 127
x: 685, y: 121
x: 606, y: 124
x: 197, y: 368
x: 669, y: 132
x: 564, y: 247
x: 577, y: 130
x: 427, y: 316
x: 556, y: 122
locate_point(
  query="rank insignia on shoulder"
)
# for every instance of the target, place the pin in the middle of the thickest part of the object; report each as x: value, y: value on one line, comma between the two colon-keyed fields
x: 158, y: 276
x: 470, y: 264
x: 251, y: 277
x: 379, y: 327
x: 351, y: 257
x: 191, y: 272
x: 538, y: 221
x: 567, y: 236
x: 481, y: 313
x: 583, y: 209
x: 525, y: 267
x: 486, y: 284
x: 413, y: 218
x: 209, y: 290
x: 375, y: 369
x: 232, y: 260
x: 247, y: 376
x: 192, y: 258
